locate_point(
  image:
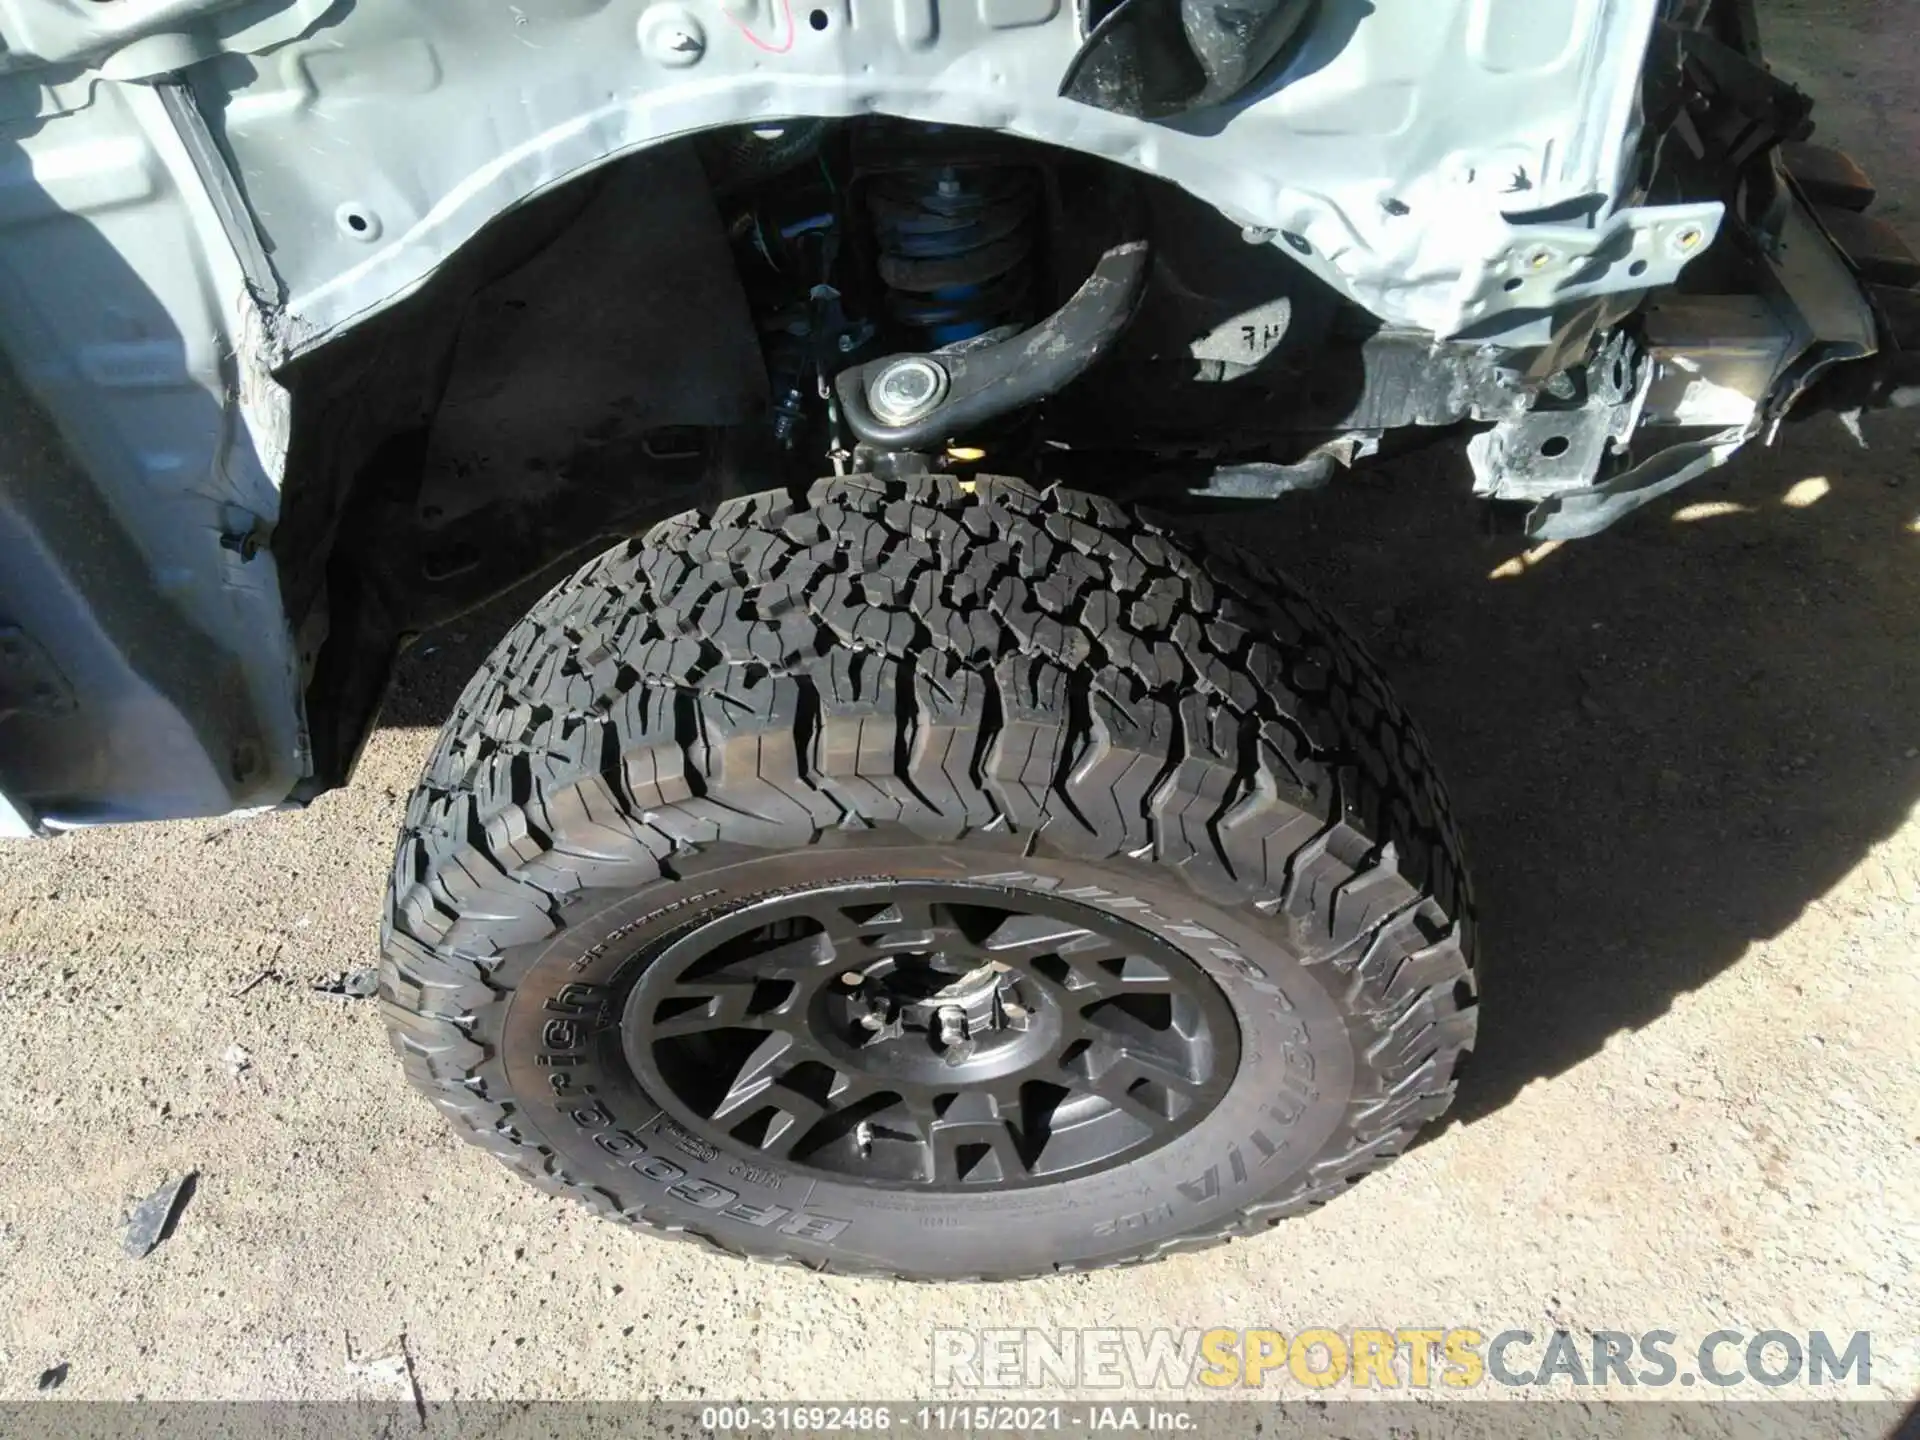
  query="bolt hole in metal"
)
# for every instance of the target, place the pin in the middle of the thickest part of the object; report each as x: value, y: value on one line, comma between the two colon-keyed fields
x: 929, y: 1035
x: 357, y: 222
x: 818, y: 19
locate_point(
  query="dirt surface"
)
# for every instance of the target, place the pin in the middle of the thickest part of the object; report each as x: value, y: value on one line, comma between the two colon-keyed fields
x: 1686, y: 756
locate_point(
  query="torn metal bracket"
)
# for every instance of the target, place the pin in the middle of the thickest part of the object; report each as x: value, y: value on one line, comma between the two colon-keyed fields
x: 1823, y: 300
x: 1742, y: 108
x: 1579, y: 514
x: 1267, y: 480
x: 1825, y: 319
x: 1549, y: 452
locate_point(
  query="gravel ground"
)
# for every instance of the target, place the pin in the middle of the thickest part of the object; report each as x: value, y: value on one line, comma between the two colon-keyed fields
x: 1686, y: 756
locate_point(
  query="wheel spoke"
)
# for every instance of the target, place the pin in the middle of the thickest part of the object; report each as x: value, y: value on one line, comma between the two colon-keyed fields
x: 905, y: 926
x: 796, y: 1115
x: 1142, y: 1087
x: 711, y: 1005
x: 1132, y: 976
x: 970, y: 1141
x: 796, y: 958
x: 1021, y: 939
x: 756, y: 1074
x: 731, y: 1005
x: 795, y: 1118
x: 1102, y: 972
x: 804, y: 956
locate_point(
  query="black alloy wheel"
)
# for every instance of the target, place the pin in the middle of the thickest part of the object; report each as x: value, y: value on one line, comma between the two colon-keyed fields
x: 929, y: 1035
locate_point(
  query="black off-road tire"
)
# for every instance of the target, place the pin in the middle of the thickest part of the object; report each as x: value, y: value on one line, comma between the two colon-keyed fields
x: 1039, y: 694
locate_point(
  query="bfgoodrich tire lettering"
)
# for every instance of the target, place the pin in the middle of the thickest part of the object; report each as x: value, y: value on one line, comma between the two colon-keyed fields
x: 994, y: 688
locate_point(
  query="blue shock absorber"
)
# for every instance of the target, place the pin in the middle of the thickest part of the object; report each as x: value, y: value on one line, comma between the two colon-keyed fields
x: 956, y: 248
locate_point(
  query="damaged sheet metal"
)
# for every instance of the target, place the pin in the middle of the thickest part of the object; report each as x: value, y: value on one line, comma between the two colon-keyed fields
x: 1715, y: 358
x: 1741, y: 363
x: 1578, y: 514
x: 1549, y: 451
x: 1420, y: 156
x: 1465, y: 171
x: 1266, y: 480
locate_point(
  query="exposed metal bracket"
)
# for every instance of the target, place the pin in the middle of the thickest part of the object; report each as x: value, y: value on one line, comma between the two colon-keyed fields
x: 1825, y: 319
x: 1542, y: 267
x: 1547, y: 452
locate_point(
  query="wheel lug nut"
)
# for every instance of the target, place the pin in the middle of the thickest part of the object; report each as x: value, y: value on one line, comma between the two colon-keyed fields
x: 852, y: 977
x: 954, y: 1039
x: 871, y: 1021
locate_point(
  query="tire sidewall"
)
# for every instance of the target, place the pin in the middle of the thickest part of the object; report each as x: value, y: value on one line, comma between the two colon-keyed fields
x: 558, y: 1053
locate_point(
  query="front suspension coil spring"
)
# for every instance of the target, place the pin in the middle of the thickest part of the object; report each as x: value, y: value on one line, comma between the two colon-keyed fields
x: 956, y: 247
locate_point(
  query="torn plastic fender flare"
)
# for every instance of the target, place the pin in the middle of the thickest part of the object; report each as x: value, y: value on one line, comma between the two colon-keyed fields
x: 990, y: 380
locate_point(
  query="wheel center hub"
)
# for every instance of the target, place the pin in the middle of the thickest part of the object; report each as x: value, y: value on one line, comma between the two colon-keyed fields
x: 971, y: 1013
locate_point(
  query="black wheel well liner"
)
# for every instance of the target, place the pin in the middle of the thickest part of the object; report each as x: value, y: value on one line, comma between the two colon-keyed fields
x: 536, y: 395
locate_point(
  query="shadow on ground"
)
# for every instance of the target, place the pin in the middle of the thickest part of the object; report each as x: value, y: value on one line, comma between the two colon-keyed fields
x: 1663, y: 743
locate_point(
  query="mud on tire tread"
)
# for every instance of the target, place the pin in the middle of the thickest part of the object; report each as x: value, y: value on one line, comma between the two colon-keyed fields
x: 952, y: 660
